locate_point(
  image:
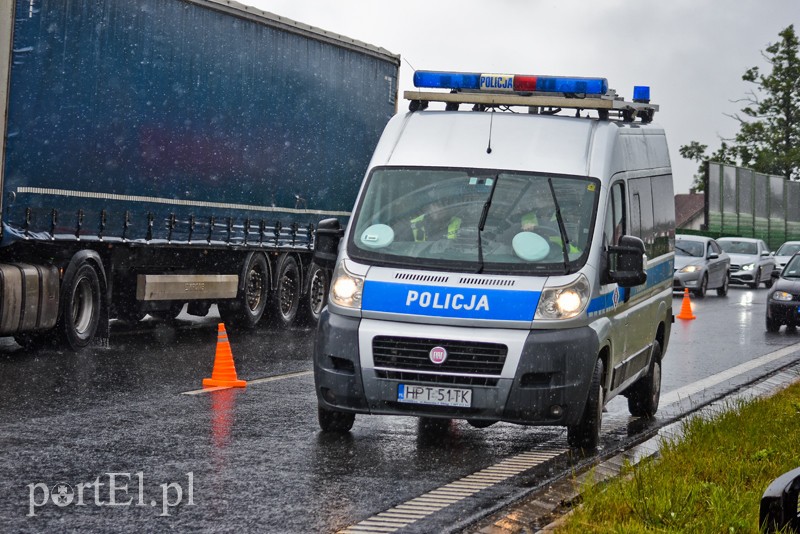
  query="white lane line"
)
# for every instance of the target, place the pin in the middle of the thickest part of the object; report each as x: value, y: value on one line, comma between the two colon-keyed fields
x: 713, y: 380
x: 250, y: 382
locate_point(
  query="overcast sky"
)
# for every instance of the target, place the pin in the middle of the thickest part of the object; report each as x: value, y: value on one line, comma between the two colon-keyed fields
x: 692, y: 53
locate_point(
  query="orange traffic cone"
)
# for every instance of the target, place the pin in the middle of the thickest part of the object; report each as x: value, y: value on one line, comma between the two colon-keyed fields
x: 224, y: 373
x: 686, y: 307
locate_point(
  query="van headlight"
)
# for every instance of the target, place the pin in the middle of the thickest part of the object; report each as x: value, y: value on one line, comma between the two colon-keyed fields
x: 564, y: 302
x: 346, y: 288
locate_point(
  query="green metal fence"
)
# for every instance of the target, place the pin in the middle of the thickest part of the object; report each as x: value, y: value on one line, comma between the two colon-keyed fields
x: 745, y: 203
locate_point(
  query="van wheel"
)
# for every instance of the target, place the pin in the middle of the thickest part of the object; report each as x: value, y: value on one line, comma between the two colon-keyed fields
x: 333, y: 421
x: 80, y: 314
x: 723, y: 291
x: 317, y: 296
x: 700, y: 292
x: 246, y: 310
x: 644, y: 394
x: 586, y: 434
x: 287, y: 300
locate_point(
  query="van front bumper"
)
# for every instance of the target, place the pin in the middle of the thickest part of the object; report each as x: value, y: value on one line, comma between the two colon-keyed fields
x: 549, y: 386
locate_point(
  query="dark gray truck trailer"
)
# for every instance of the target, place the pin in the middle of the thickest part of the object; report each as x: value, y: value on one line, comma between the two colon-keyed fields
x: 163, y: 152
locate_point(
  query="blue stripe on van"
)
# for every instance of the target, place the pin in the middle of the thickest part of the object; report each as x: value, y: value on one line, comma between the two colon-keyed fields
x: 656, y: 275
x: 456, y: 302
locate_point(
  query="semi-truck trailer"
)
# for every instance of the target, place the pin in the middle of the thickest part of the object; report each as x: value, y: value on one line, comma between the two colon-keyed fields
x: 158, y: 153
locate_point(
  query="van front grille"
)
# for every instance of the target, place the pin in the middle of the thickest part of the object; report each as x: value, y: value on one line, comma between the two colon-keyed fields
x: 463, y: 357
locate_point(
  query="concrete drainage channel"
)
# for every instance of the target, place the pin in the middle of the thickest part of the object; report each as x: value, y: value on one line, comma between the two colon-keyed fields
x: 544, y: 510
x: 540, y: 508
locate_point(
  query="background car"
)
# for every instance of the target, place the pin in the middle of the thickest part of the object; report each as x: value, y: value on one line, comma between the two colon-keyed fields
x: 700, y: 264
x: 785, y: 252
x: 783, y: 299
x: 751, y: 262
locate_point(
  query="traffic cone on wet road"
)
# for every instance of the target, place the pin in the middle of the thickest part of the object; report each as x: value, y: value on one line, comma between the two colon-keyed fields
x: 686, y: 307
x: 224, y: 373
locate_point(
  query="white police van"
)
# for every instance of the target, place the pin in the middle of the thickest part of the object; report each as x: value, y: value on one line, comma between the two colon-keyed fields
x: 504, y: 262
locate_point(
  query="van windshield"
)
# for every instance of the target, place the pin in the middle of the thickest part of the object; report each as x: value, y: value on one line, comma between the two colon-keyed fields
x: 475, y: 220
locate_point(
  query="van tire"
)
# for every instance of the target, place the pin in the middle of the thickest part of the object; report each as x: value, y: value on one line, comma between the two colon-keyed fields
x: 586, y: 434
x: 333, y: 421
x: 645, y: 393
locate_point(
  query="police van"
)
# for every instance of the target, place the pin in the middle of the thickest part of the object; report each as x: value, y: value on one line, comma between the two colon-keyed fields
x: 509, y: 258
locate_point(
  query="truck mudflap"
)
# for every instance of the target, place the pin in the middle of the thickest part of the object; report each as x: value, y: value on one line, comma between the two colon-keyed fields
x: 549, y: 386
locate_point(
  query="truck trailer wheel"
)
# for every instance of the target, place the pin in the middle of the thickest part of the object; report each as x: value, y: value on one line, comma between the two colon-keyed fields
x: 246, y: 310
x: 318, y: 286
x: 586, y: 434
x: 287, y: 292
x: 81, y: 306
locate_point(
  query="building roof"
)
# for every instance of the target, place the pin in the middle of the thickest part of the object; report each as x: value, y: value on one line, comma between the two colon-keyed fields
x: 687, y: 207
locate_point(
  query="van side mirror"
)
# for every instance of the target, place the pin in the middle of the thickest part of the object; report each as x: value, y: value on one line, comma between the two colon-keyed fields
x: 326, y: 243
x: 626, y: 262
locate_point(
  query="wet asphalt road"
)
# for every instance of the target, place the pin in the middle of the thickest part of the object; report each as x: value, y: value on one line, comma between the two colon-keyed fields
x: 254, y: 459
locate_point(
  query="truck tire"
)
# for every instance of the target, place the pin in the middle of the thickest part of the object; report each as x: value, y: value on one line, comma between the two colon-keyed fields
x: 332, y: 421
x: 586, y: 434
x: 317, y: 296
x: 287, y: 292
x: 247, y: 309
x: 81, y: 306
x: 644, y: 394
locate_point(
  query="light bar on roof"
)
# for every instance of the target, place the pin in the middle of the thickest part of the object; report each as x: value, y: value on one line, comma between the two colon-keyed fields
x: 518, y: 83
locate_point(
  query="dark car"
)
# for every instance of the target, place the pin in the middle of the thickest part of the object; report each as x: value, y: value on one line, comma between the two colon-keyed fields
x: 783, y: 299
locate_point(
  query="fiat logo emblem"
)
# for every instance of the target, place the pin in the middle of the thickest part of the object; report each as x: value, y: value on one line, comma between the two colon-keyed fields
x: 438, y: 355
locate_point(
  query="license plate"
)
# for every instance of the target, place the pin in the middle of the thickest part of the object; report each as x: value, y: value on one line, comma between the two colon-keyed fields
x: 433, y: 395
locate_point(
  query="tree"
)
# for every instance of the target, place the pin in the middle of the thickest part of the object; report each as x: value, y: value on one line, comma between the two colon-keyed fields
x: 768, y: 140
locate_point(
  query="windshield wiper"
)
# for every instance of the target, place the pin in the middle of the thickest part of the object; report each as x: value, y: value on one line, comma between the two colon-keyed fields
x: 482, y: 222
x: 561, y: 229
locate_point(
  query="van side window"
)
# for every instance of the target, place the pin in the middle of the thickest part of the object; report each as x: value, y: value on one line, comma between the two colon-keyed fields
x: 615, y: 216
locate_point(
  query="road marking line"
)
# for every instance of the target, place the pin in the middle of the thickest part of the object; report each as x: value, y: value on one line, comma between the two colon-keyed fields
x: 250, y: 382
x: 713, y: 380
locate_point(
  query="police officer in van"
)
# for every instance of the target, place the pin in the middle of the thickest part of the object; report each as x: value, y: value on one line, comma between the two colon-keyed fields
x: 435, y: 224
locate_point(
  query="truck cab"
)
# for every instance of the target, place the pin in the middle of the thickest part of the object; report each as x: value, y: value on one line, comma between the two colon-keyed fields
x: 503, y: 262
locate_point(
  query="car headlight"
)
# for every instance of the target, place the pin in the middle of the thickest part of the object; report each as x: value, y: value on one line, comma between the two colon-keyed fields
x: 782, y: 295
x: 690, y: 269
x: 346, y: 288
x: 564, y: 302
x: 748, y: 267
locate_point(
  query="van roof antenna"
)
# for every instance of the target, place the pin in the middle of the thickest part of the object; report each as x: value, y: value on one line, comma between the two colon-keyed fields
x: 491, y: 121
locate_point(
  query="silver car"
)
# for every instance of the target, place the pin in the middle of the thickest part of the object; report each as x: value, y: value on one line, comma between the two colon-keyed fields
x: 785, y: 252
x: 751, y: 262
x: 700, y: 265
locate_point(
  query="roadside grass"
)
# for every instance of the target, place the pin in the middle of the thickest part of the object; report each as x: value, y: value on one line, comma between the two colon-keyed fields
x: 711, y: 480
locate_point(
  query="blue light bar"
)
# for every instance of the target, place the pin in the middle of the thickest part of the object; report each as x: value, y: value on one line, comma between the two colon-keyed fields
x: 510, y: 82
x: 447, y: 80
